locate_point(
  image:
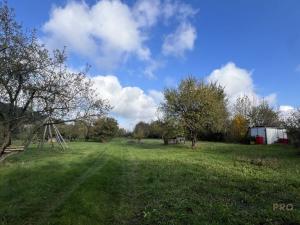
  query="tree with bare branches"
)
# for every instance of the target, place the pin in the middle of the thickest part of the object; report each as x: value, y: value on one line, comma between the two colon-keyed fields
x: 35, y: 82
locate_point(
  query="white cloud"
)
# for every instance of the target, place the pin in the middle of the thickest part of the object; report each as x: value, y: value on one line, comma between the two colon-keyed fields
x: 286, y: 108
x: 130, y: 104
x: 106, y: 30
x: 147, y: 12
x: 238, y: 82
x: 111, y: 31
x: 177, y: 9
x: 271, y: 99
x: 182, y: 40
x: 70, y: 26
x: 157, y: 96
x: 150, y: 69
x: 286, y: 111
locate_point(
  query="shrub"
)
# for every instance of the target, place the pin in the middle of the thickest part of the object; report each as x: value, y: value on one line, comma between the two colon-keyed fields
x: 293, y: 128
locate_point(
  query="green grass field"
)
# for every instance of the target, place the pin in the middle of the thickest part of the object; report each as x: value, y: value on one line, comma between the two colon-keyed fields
x: 123, y: 182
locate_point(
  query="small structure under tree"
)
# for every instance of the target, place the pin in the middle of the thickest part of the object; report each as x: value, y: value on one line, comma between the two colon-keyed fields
x: 52, y: 135
x: 175, y: 140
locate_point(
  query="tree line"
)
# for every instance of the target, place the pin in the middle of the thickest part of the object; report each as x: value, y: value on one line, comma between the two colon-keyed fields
x: 36, y: 84
x: 101, y: 129
x: 199, y: 110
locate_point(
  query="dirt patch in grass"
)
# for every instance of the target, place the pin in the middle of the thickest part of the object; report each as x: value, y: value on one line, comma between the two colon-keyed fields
x: 270, y: 162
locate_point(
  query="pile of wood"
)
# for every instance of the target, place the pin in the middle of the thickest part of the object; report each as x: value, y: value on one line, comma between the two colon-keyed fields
x: 14, y: 149
x: 176, y: 140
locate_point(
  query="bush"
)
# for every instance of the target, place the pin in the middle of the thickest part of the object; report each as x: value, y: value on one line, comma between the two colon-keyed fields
x: 292, y: 125
x: 238, y: 130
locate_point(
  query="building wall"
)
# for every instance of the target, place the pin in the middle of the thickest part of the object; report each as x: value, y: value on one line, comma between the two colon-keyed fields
x: 258, y: 131
x: 271, y: 135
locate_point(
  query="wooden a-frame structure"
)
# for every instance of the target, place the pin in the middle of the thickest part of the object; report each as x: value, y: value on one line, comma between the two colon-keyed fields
x: 51, y: 134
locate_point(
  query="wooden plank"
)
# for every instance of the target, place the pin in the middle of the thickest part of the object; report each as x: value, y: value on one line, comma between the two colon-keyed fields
x: 15, y: 146
x: 14, y: 150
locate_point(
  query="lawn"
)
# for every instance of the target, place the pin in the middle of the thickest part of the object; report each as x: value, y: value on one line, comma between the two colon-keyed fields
x: 123, y: 182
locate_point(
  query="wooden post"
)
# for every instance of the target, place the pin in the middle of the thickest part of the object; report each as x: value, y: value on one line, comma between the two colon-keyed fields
x: 59, y: 134
x: 44, y: 136
x: 58, y: 138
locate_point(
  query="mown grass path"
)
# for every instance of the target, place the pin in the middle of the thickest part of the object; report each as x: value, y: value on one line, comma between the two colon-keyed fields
x: 99, y: 161
x: 137, y: 184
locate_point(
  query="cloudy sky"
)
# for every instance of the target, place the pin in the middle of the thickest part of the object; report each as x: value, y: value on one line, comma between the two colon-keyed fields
x: 137, y: 48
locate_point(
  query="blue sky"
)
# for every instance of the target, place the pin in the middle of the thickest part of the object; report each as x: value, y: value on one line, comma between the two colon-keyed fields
x: 251, y: 47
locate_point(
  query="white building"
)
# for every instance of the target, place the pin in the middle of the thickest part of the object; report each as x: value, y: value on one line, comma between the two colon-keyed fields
x: 271, y: 135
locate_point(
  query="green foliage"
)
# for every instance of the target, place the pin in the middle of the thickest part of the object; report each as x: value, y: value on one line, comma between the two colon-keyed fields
x: 122, y: 133
x: 171, y: 128
x: 200, y: 107
x: 155, y: 129
x: 121, y: 183
x: 74, y: 131
x: 141, y: 130
x: 104, y: 129
x: 293, y: 127
x: 101, y: 129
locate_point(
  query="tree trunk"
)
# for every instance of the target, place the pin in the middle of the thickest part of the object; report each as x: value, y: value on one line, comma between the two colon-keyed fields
x: 166, y: 141
x: 87, y: 133
x: 7, y: 140
x: 194, y: 140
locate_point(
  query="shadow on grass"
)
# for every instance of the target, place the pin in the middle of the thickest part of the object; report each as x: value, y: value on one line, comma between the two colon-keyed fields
x: 129, y: 188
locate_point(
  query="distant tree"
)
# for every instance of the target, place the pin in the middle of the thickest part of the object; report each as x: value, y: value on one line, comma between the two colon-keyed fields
x: 242, y: 107
x: 292, y: 125
x: 141, y: 130
x: 198, y: 106
x: 122, y: 132
x: 165, y: 128
x: 155, y: 129
x: 263, y: 115
x: 33, y: 80
x: 105, y: 128
x: 238, y: 128
x: 240, y: 119
x: 72, y: 131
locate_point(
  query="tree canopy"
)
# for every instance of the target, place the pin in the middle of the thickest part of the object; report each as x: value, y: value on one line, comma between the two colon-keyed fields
x: 105, y: 128
x: 263, y: 115
x: 200, y: 107
x: 141, y: 130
